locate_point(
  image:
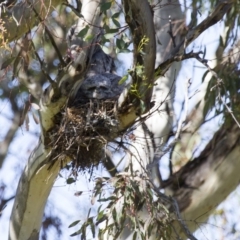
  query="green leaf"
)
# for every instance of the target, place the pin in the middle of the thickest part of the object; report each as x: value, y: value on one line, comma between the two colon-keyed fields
x: 89, y: 213
x: 110, y: 33
x: 100, y: 214
x: 139, y: 70
x: 106, y: 49
x: 116, y: 22
x: 74, y: 223
x: 120, y: 43
x: 112, y: 30
x: 83, y: 32
x: 76, y: 233
x: 124, y: 51
x: 105, y: 6
x: 92, y: 226
x: 101, y: 217
x: 7, y: 62
x: 83, y: 232
x: 89, y: 37
x: 114, y: 215
x: 116, y: 15
x: 142, y: 106
x: 123, y: 79
x: 135, y: 236
x: 107, y: 199
x: 70, y: 180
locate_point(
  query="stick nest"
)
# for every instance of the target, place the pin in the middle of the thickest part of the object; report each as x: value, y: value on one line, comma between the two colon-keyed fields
x: 81, y: 132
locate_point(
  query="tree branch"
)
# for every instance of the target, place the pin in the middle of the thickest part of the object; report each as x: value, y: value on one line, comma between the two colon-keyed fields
x: 135, y: 102
x: 221, y: 9
x: 200, y: 185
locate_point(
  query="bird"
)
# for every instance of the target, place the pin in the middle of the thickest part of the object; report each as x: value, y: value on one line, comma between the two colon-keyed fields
x: 101, y: 80
x: 100, y: 86
x: 101, y: 63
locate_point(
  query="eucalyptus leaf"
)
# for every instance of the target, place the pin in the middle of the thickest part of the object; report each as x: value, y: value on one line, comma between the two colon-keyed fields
x: 123, y: 79
x: 70, y: 180
x: 7, y: 62
x: 74, y: 223
x: 83, y: 32
x: 105, y: 6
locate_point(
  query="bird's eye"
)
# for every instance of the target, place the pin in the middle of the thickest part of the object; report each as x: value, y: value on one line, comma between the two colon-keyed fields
x: 91, y: 89
x: 103, y: 88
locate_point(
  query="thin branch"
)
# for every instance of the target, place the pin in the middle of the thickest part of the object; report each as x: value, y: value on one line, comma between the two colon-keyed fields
x: 42, y: 65
x: 163, y: 67
x: 56, y: 48
x: 218, y: 85
x: 170, y: 32
x: 181, y: 221
x: 217, y: 15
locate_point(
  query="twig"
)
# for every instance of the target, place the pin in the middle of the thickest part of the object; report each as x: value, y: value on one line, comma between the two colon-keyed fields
x: 50, y: 38
x: 163, y: 67
x: 170, y: 32
x: 217, y: 15
x: 172, y: 202
x: 42, y: 65
x: 181, y: 221
x: 219, y: 82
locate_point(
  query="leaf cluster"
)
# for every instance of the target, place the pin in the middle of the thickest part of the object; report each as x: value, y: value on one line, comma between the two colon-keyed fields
x: 135, y: 192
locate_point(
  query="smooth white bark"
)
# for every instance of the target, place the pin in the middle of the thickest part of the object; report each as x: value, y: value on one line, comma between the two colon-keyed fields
x: 159, y: 118
x: 34, y: 187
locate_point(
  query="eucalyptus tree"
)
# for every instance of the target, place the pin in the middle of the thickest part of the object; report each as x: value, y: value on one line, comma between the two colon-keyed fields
x: 87, y: 111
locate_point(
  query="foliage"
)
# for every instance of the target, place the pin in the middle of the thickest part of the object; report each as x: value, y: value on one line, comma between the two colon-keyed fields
x: 134, y: 191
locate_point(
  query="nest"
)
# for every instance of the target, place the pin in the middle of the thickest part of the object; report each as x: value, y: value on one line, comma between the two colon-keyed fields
x: 82, y: 131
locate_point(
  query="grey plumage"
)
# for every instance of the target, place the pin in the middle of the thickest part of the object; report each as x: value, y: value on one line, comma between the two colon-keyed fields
x: 100, y: 81
x: 101, y: 62
x: 101, y: 86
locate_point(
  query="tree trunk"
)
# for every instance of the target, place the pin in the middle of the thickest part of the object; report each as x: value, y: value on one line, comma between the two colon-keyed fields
x: 40, y: 173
